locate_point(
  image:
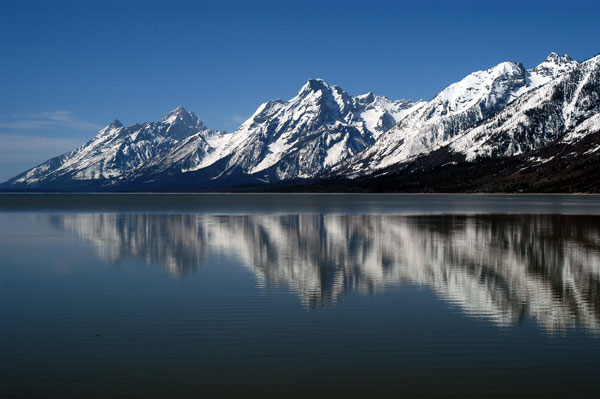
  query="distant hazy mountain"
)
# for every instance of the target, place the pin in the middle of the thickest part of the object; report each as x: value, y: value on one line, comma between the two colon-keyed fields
x: 503, y: 114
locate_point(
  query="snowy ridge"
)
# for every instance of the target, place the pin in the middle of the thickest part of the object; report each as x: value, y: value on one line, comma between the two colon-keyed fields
x: 539, y: 117
x: 318, y: 128
x: 503, y: 111
x: 117, y: 150
x: 455, y: 109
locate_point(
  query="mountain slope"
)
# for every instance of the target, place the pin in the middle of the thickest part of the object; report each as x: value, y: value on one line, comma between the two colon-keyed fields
x: 117, y: 150
x: 491, y: 129
x: 455, y: 109
x: 300, y: 138
x: 539, y: 117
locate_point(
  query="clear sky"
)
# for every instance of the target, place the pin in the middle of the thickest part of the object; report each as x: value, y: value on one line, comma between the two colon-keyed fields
x: 68, y: 68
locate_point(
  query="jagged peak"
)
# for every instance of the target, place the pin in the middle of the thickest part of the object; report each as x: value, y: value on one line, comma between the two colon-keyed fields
x: 180, y: 114
x: 180, y: 110
x: 554, y: 57
x: 554, y: 65
x: 115, y: 124
x: 314, y: 85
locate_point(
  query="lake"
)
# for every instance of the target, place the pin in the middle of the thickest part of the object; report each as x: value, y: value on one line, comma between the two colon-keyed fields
x: 272, y: 295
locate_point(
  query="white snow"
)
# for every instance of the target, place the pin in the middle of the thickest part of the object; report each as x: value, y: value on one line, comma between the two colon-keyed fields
x: 427, y: 127
x: 593, y: 149
x: 319, y: 110
x: 590, y: 125
x: 323, y: 127
x: 336, y: 153
x: 276, y: 151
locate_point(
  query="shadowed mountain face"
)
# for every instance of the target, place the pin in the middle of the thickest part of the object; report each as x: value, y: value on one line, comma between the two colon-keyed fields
x: 497, y: 267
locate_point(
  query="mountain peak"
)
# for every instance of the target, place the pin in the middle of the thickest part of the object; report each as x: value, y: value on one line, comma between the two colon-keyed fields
x: 554, y: 65
x: 180, y: 114
x: 314, y: 85
x: 115, y: 124
x: 176, y: 112
x: 554, y: 58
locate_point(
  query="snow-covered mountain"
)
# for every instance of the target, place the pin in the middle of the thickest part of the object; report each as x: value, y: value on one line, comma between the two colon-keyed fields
x: 117, y: 150
x: 300, y: 138
x: 559, y: 109
x: 457, y: 108
x: 547, y: 140
x: 323, y: 131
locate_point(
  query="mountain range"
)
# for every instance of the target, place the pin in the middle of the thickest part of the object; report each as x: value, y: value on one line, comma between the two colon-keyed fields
x: 503, y: 129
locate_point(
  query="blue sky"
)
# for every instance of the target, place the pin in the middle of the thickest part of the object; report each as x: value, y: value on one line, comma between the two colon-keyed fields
x: 71, y: 67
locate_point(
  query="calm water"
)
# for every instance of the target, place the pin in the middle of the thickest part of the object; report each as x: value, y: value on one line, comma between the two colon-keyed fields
x: 299, y: 295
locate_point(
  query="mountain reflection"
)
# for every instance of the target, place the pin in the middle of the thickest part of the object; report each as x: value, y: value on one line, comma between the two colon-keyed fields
x: 499, y: 267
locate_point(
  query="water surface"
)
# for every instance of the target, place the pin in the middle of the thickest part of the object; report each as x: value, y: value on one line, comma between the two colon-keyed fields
x: 276, y: 295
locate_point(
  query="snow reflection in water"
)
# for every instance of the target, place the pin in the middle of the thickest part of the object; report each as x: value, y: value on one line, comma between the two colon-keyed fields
x: 498, y: 267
